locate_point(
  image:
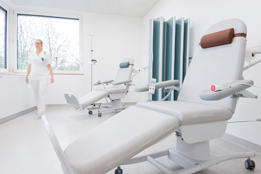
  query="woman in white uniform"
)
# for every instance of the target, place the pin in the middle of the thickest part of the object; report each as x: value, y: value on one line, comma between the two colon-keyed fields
x: 39, y: 68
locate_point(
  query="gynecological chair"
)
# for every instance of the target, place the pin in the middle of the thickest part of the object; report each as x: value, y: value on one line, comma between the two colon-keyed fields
x: 118, y: 91
x: 198, y: 116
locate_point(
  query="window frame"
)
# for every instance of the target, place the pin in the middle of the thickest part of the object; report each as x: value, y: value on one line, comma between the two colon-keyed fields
x: 6, y: 10
x: 51, y: 15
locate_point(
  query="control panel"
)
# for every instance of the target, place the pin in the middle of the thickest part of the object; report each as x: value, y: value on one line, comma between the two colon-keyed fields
x: 152, y: 86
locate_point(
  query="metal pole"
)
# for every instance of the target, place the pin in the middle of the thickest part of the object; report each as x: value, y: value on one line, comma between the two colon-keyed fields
x: 91, y: 77
x: 91, y: 35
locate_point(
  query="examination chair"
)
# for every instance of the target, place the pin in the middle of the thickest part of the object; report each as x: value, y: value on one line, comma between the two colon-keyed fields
x: 198, y: 116
x: 118, y: 91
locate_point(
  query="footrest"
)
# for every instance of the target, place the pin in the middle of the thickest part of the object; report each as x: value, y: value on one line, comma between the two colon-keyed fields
x: 92, y: 97
x: 118, y: 139
x: 73, y: 101
x: 86, y: 100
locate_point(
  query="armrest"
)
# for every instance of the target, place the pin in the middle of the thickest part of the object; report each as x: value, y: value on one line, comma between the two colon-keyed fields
x: 230, y: 89
x: 123, y: 82
x: 56, y: 146
x: 104, y: 82
x: 158, y: 85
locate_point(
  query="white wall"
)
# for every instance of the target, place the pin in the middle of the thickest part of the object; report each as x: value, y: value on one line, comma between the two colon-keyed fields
x: 204, y: 13
x: 16, y: 95
x: 116, y: 37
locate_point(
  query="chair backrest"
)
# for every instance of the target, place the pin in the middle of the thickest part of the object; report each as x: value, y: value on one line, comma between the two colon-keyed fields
x: 216, y: 65
x: 58, y: 150
x: 124, y: 74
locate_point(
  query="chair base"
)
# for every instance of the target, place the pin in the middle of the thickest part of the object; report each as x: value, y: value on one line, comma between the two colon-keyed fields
x: 189, y: 157
x: 115, y: 105
x: 74, y: 104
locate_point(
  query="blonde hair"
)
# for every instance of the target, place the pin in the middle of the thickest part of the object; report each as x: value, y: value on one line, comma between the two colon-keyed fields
x: 40, y: 41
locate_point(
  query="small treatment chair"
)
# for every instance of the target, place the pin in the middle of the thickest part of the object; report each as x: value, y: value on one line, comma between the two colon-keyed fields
x: 118, y: 91
x: 198, y: 116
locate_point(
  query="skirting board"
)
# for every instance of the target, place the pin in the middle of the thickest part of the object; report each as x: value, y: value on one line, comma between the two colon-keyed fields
x: 102, y: 104
x: 57, y: 105
x: 241, y: 142
x: 11, y: 117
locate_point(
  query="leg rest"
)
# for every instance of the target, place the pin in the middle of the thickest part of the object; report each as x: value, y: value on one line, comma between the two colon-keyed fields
x: 73, y: 102
x: 118, y: 139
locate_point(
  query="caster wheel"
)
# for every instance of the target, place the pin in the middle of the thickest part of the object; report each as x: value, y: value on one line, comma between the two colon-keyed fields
x: 99, y: 114
x: 249, y: 164
x: 118, y: 171
x: 90, y: 112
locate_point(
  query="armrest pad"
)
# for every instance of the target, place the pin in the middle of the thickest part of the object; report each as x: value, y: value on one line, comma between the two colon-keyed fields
x: 123, y: 82
x: 104, y: 82
x: 158, y: 85
x: 232, y: 88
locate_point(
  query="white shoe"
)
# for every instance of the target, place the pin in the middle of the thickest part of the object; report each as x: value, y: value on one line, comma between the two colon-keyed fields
x: 39, y: 114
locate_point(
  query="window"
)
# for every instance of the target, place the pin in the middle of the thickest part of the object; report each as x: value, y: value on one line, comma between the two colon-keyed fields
x: 60, y: 38
x: 3, y: 30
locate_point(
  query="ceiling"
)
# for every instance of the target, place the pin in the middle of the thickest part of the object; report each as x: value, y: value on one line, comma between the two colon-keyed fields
x: 135, y: 8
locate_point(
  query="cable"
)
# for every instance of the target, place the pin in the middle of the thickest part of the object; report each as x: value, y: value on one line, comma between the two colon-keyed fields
x: 107, y: 100
x: 135, y: 75
x: 167, y: 94
x: 257, y: 120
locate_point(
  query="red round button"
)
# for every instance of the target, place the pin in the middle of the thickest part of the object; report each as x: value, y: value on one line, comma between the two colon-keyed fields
x: 213, y: 88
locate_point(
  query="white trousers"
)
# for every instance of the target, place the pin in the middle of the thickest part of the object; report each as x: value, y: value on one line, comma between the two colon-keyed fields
x: 39, y: 89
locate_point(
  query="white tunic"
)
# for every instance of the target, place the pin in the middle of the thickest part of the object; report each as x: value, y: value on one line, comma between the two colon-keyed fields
x: 39, y: 69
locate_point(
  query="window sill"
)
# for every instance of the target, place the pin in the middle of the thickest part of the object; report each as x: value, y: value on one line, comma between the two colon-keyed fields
x: 7, y: 73
x: 23, y: 73
x: 68, y: 74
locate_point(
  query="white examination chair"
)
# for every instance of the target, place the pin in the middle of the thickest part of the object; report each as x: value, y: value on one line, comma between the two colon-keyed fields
x: 118, y: 91
x: 198, y: 116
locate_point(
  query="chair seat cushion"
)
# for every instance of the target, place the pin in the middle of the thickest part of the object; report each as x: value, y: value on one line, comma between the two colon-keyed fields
x: 118, y: 139
x: 97, y: 95
x: 188, y: 112
x: 92, y: 97
x: 114, y: 90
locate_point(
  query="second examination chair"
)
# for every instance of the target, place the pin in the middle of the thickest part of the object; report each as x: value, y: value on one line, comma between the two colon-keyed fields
x: 118, y: 91
x: 198, y: 116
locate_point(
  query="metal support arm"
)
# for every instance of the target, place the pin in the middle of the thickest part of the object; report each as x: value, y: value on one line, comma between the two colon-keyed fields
x: 166, y: 84
x: 230, y: 89
x: 104, y: 82
x: 123, y: 82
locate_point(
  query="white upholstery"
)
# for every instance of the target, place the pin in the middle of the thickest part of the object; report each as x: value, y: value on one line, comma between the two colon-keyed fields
x: 123, y: 74
x: 113, y: 90
x: 116, y: 92
x: 118, y: 139
x: 216, y: 65
x: 92, y: 97
x: 121, y: 137
x: 189, y: 113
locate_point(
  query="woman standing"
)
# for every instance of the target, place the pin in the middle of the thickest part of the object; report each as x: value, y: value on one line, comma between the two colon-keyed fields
x: 39, y: 68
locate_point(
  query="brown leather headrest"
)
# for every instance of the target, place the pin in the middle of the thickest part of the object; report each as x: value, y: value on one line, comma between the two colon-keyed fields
x: 219, y: 38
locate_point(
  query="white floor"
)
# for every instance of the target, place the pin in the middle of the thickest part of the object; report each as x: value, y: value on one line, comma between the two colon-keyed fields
x: 26, y: 149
